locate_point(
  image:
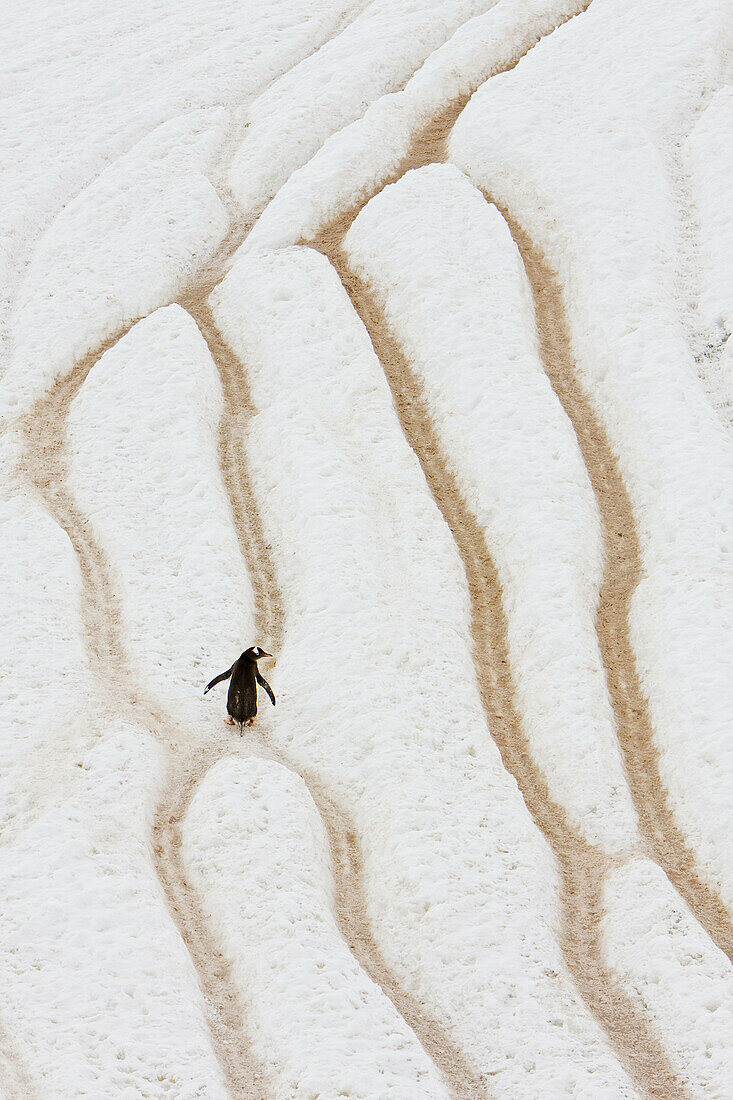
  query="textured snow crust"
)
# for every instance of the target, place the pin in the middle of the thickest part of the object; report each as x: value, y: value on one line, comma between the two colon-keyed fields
x: 257, y: 848
x: 144, y: 467
x: 357, y: 159
x: 126, y: 245
x: 94, y: 978
x: 670, y: 966
x: 429, y: 240
x: 373, y: 56
x: 582, y: 154
x: 378, y: 694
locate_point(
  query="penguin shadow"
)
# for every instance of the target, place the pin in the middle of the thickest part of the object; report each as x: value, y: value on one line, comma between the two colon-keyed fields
x: 244, y: 678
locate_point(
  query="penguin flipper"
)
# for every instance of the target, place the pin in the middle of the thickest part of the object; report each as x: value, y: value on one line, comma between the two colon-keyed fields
x: 263, y: 683
x: 218, y: 679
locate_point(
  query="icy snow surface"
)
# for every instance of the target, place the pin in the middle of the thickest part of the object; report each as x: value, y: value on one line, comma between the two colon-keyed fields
x: 397, y: 733
x: 355, y: 899
x: 95, y: 981
x: 582, y: 154
x: 432, y: 239
x: 257, y: 846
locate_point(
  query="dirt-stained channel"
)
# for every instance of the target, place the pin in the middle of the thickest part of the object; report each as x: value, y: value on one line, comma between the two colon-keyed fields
x: 663, y: 838
x: 582, y: 866
x: 45, y: 464
x: 346, y: 857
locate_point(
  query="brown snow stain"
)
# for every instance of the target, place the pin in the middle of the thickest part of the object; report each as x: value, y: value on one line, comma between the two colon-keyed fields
x: 582, y: 866
x: 45, y: 464
x: 663, y: 838
x: 346, y: 858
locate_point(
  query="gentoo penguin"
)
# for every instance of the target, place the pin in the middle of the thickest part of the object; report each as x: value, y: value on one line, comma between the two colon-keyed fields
x: 242, y: 697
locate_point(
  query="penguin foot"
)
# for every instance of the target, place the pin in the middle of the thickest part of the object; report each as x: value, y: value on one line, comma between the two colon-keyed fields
x: 230, y: 721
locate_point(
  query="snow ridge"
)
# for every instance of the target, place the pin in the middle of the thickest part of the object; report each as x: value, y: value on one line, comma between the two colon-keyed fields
x: 662, y: 834
x: 582, y: 867
x: 351, y: 910
x: 45, y: 464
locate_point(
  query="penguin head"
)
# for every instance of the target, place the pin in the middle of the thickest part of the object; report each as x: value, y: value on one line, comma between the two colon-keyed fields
x: 254, y: 653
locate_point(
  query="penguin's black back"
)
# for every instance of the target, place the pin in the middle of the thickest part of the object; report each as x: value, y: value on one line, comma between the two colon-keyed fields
x: 242, y: 697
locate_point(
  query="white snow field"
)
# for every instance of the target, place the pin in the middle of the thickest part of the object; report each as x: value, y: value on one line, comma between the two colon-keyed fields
x: 378, y: 694
x: 98, y: 990
x: 285, y: 291
x: 254, y: 841
x: 432, y: 239
x: 606, y: 101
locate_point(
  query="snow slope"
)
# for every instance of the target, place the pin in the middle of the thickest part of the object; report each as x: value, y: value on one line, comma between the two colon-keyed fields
x: 255, y: 843
x: 378, y: 698
x: 456, y: 296
x: 363, y: 896
x: 96, y: 982
x: 577, y: 142
x: 186, y: 600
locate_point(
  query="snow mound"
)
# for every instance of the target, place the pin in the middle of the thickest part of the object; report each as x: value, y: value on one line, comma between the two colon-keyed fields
x: 579, y: 143
x: 378, y: 700
x: 257, y: 848
x: 144, y: 467
x: 455, y: 295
